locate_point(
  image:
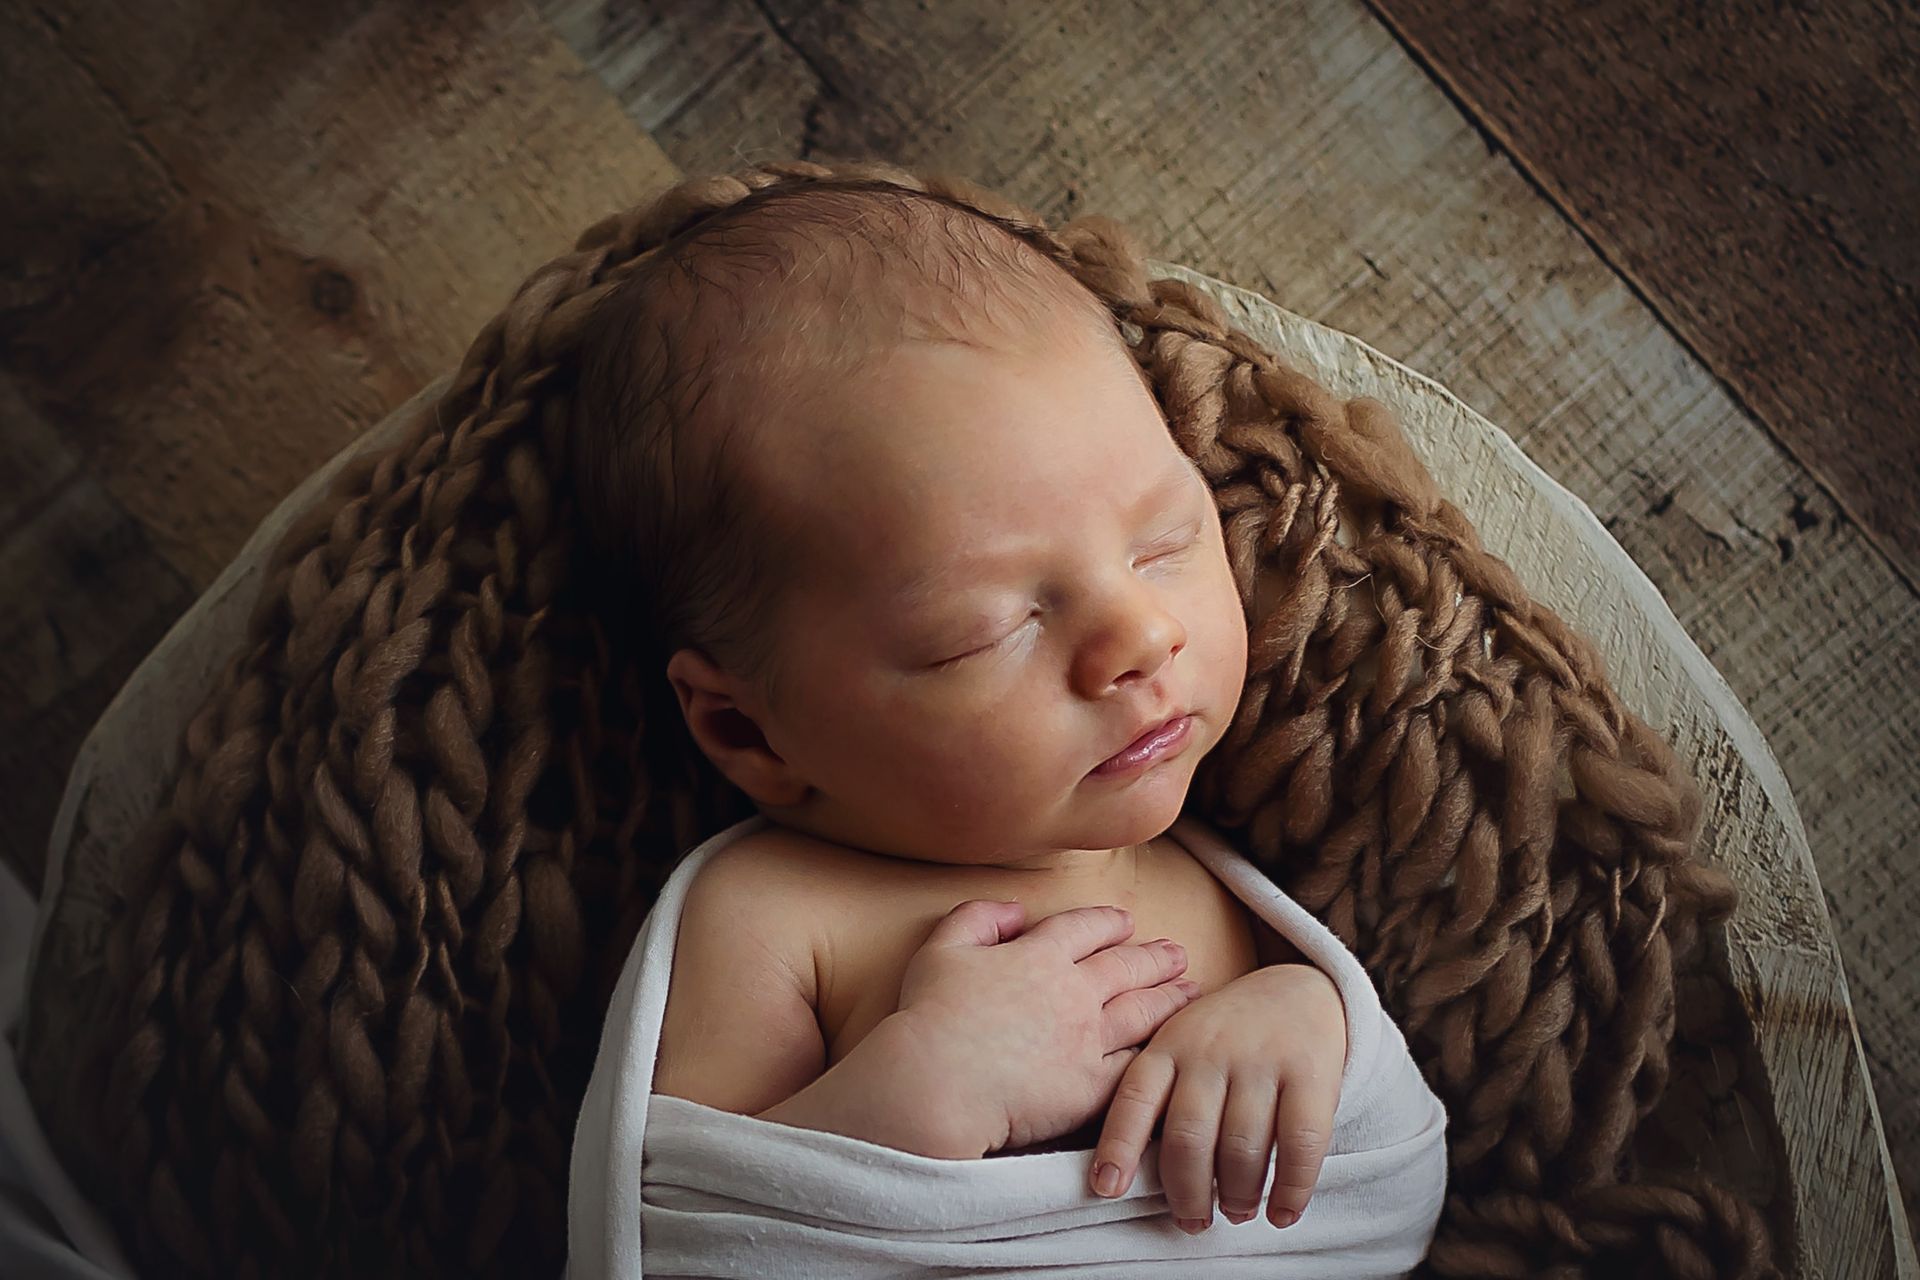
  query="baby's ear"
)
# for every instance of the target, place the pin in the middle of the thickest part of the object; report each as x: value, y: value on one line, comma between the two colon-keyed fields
x: 691, y: 672
x: 727, y: 734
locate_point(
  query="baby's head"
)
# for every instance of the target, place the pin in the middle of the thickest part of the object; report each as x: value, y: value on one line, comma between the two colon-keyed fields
x: 888, y: 497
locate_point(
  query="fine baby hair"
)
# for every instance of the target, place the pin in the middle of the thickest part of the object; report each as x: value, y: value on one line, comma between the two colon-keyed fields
x: 363, y: 951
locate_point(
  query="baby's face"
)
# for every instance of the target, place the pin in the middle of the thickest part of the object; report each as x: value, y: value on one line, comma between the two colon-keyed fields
x: 1011, y: 568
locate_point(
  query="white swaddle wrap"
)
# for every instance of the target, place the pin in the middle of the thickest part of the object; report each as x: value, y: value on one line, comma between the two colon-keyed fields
x: 660, y: 1186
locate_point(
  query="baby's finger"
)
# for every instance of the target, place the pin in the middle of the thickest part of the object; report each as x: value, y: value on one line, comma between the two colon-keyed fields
x: 1187, y: 1141
x: 1246, y: 1144
x: 1081, y: 931
x: 1302, y: 1127
x: 1132, y: 966
x: 1133, y: 1016
x: 1136, y: 1104
x: 979, y: 922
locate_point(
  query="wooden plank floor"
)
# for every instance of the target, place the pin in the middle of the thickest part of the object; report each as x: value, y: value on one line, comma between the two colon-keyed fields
x: 1750, y: 168
x: 220, y: 271
x: 218, y: 282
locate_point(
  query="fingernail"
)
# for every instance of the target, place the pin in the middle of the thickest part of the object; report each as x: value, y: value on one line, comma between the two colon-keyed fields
x: 1106, y: 1179
x: 1285, y: 1218
x: 1193, y: 1226
x: 1235, y: 1216
x: 1191, y: 988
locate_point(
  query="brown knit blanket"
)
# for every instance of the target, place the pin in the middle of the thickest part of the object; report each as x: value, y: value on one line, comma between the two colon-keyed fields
x: 357, y: 982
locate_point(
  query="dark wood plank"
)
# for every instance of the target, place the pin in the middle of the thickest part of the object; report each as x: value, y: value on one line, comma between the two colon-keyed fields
x: 252, y: 230
x: 235, y: 237
x: 1750, y: 167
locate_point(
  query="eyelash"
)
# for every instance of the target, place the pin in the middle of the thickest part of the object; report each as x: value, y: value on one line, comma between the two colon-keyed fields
x: 957, y: 659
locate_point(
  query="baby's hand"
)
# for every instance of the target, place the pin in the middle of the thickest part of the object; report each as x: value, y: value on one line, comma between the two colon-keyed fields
x: 1021, y: 1034
x: 1259, y: 1059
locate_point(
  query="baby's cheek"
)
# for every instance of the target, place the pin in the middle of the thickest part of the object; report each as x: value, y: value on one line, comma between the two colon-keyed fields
x: 1231, y: 641
x: 968, y: 764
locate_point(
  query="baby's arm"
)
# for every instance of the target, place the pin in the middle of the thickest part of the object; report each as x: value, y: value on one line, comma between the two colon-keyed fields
x: 740, y: 1033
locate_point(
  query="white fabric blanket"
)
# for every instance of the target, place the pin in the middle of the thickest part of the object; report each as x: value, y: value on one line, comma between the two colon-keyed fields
x: 661, y: 1186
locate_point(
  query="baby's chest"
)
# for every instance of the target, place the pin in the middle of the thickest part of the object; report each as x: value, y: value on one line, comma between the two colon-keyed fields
x: 871, y: 943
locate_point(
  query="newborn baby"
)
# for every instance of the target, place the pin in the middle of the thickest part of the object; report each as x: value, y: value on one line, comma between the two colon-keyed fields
x: 936, y: 588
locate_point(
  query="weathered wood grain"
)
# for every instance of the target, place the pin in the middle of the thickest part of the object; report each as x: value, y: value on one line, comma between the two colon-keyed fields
x: 1750, y: 167
x: 1296, y: 149
x: 85, y: 594
x: 234, y: 237
x: 274, y: 223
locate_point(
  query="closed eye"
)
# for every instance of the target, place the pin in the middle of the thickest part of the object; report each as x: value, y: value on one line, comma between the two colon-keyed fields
x: 974, y: 653
x: 1189, y: 539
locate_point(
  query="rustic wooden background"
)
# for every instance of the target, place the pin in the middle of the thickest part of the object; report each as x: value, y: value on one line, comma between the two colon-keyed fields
x: 1674, y: 256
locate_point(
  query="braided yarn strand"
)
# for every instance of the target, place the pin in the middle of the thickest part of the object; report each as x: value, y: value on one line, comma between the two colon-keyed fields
x: 356, y: 983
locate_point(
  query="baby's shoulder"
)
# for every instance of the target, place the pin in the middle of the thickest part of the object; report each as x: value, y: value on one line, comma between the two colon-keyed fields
x: 739, y: 1030
x: 775, y: 861
x: 763, y: 853
x: 779, y: 883
x: 794, y: 867
x: 762, y: 887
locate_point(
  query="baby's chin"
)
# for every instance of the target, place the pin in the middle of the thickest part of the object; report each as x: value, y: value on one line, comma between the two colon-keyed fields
x: 1151, y: 798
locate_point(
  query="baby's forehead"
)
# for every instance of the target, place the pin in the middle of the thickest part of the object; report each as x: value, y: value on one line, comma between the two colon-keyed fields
x: 825, y: 277
x: 878, y: 534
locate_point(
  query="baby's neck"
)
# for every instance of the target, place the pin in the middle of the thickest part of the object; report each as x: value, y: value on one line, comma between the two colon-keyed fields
x: 1036, y: 871
x: 1077, y: 864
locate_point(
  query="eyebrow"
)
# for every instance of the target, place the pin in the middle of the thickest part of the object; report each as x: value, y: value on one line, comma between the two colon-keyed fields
x: 916, y: 590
